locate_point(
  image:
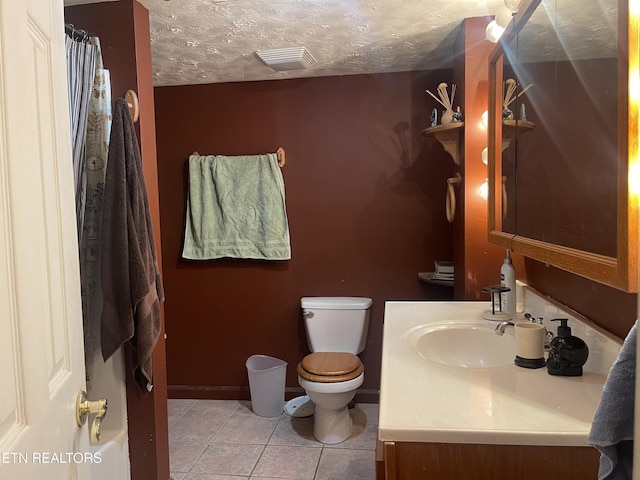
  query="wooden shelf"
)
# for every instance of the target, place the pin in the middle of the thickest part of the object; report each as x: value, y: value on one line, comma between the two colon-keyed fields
x: 427, y: 277
x: 449, y: 136
x: 509, y: 128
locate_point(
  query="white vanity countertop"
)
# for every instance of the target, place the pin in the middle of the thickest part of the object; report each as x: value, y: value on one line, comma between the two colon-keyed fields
x: 424, y: 401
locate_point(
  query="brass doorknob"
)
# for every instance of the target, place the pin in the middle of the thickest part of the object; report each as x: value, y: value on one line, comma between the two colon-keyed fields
x: 84, y: 407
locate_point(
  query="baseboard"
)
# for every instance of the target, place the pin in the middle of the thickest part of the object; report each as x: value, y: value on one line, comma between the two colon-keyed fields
x: 211, y: 392
x: 208, y: 392
x: 367, y: 396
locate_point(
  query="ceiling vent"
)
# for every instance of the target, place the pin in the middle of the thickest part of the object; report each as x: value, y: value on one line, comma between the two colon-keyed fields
x: 281, y: 59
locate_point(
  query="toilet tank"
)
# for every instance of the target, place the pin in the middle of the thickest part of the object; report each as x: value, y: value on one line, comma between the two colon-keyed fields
x: 336, y: 324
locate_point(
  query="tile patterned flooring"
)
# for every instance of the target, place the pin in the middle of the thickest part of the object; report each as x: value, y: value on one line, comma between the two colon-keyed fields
x: 225, y: 440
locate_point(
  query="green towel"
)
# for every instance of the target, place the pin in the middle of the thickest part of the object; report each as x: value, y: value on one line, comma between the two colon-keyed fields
x: 236, y: 208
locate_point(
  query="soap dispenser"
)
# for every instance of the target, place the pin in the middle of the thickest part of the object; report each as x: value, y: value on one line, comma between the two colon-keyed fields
x: 567, y: 354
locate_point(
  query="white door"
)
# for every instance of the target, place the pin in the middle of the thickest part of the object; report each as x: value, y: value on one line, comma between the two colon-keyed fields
x: 41, y: 347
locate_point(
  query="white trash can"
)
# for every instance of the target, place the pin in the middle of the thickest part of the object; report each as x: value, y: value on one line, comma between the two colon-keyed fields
x: 267, y: 377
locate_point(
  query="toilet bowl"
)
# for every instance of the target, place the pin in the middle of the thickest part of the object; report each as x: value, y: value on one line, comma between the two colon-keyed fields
x: 331, y: 379
x: 337, y: 329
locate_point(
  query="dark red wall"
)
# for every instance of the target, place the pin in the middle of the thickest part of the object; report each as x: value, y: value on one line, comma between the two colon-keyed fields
x: 365, y: 200
x: 610, y: 308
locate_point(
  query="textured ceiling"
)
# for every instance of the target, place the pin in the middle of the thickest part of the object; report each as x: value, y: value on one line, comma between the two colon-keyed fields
x: 206, y: 41
x: 213, y: 41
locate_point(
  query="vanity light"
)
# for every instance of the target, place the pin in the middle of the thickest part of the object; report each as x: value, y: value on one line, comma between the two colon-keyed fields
x: 485, y: 118
x: 634, y: 84
x: 484, y: 189
x: 634, y: 99
x: 485, y: 156
x: 503, y: 17
x: 634, y: 177
x: 512, y: 5
x: 493, y: 31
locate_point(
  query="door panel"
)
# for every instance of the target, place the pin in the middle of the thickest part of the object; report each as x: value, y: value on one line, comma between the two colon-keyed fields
x: 41, y: 349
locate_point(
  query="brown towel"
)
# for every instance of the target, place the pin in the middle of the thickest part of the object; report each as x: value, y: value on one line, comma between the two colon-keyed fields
x: 131, y: 282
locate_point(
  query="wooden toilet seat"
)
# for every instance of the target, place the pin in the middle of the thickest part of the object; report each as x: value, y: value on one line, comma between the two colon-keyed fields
x: 330, y: 367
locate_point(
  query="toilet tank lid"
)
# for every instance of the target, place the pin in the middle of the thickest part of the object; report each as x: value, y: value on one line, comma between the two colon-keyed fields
x: 336, y: 303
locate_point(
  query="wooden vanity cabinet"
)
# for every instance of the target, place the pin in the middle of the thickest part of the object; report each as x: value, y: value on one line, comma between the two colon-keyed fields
x: 452, y: 461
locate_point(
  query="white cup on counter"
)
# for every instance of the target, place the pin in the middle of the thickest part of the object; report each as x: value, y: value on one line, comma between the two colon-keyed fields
x: 529, y: 345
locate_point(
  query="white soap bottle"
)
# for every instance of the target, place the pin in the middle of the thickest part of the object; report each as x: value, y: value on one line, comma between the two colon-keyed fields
x: 508, y: 279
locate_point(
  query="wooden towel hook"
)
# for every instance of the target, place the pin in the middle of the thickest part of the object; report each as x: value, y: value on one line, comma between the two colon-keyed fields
x: 131, y: 98
x: 281, y: 157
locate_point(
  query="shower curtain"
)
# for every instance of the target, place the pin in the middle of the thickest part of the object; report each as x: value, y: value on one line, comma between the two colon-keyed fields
x: 81, y: 63
x: 90, y: 104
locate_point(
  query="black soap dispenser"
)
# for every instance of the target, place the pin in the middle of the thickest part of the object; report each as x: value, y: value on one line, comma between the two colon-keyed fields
x: 567, y: 354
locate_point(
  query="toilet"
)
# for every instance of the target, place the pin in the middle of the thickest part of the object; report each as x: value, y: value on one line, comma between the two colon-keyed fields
x: 337, y: 330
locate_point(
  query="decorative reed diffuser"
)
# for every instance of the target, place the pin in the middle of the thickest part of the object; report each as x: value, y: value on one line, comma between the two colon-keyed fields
x: 510, y: 87
x: 448, y: 114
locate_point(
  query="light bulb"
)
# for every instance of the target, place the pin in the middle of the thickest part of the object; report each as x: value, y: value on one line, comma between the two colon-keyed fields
x: 485, y: 118
x: 484, y: 189
x: 485, y: 156
x: 493, y: 31
x: 634, y: 178
x: 504, y: 17
x: 512, y: 5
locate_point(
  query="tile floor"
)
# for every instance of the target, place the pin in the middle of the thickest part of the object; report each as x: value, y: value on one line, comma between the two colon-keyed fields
x: 225, y: 440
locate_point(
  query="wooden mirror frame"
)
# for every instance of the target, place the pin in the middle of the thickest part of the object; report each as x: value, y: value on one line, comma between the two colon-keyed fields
x: 621, y: 271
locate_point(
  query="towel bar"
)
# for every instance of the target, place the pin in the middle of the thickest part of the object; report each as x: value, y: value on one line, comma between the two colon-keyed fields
x: 280, y: 153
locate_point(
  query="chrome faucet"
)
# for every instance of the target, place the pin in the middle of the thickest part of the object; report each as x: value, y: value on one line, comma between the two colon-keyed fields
x: 502, y: 326
x: 548, y: 336
x: 533, y: 319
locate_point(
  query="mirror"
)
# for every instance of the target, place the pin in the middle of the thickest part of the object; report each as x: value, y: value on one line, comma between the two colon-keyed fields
x: 561, y: 151
x: 568, y: 112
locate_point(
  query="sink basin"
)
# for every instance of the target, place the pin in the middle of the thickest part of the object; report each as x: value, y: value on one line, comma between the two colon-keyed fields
x: 468, y: 345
